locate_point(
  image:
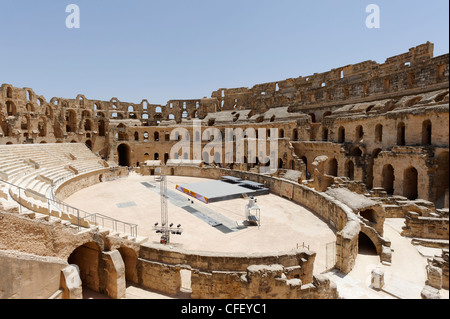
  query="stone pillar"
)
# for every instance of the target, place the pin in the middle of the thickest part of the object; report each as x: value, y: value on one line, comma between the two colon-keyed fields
x: 347, y: 246
x: 71, y: 283
x: 377, y: 278
x: 434, y: 275
x: 112, y: 275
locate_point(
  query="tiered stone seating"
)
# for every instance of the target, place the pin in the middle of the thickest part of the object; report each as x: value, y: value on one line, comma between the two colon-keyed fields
x: 50, y: 161
x: 37, y: 167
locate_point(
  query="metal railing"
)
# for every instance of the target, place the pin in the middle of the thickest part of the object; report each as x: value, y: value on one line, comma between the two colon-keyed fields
x: 76, y: 216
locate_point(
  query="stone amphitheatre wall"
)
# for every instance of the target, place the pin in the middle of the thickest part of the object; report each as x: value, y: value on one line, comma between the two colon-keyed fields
x: 83, y: 181
x: 382, y: 124
x: 106, y: 261
x: 38, y: 257
x: 341, y: 217
x: 232, y: 276
x: 26, y: 268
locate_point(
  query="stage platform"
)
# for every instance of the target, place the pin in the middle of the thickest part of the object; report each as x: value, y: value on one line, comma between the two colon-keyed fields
x: 221, y: 190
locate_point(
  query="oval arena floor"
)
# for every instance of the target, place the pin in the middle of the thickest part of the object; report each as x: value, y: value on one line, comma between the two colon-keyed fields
x: 284, y: 225
x: 136, y: 199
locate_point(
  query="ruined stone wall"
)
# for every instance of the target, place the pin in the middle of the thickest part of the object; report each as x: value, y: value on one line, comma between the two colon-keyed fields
x: 232, y: 276
x: 259, y: 282
x: 430, y: 227
x: 338, y: 215
x: 83, y: 181
x: 318, y: 93
x: 25, y: 269
x: 35, y: 255
x: 352, y: 114
x: 437, y: 271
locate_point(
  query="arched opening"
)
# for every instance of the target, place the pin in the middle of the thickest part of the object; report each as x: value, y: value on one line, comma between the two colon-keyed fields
x: 388, y: 179
x: 101, y: 128
x: 156, y: 136
x: 378, y: 133
x: 136, y: 136
x: 86, y: 114
x: 355, y: 151
x: 87, y: 257
x: 325, y: 134
x: 292, y: 164
x: 205, y: 157
x: 10, y: 108
x: 305, y: 160
x: 71, y: 121
x: 88, y: 125
x: 217, y: 158
x: 185, y: 280
x: 156, y: 156
x: 122, y: 132
x: 376, y: 152
x: 426, y: 132
x: 295, y: 135
x: 341, y: 135
x: 124, y: 155
x: 30, y: 108
x: 441, y: 180
x: 332, y: 167
x: 130, y: 259
x: 365, y: 245
x: 369, y: 214
x: 410, y: 180
x: 350, y: 170
x: 280, y: 163
x: 359, y: 133
x: 42, y: 127
x: 401, y: 132
x: 166, y: 157
x: 49, y: 112
x: 9, y: 93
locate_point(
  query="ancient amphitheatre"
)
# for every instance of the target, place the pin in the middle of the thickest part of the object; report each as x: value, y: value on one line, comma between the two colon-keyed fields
x: 358, y: 207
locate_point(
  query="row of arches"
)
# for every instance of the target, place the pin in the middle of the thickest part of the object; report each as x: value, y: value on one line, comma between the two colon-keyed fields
x: 426, y: 134
x: 91, y: 265
x: 410, y: 177
x: 410, y: 181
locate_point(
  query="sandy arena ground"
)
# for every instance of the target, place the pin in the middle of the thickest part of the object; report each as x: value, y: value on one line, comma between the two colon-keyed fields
x: 284, y: 225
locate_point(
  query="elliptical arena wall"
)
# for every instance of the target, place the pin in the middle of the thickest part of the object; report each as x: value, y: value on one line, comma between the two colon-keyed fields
x: 340, y: 216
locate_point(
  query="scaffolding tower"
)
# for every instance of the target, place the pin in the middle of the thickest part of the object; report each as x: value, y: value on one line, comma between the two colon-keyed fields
x: 165, y: 229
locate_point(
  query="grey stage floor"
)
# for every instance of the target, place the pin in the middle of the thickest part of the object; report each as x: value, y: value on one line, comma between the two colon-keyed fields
x: 218, y: 190
x: 209, y: 216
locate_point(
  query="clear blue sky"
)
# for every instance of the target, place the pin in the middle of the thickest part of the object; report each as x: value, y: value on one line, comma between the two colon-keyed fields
x: 185, y: 49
